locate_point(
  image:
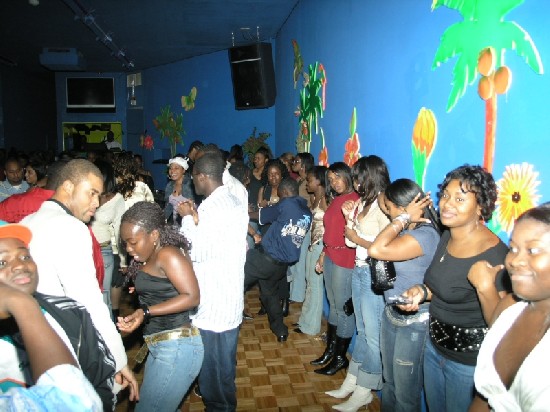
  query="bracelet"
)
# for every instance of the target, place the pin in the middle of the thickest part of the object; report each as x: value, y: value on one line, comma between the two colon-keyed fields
x: 146, y: 312
x: 404, y: 218
x: 424, y: 290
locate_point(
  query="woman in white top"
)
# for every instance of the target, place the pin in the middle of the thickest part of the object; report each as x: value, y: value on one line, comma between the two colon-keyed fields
x: 513, y: 362
x: 364, y: 221
x: 105, y: 225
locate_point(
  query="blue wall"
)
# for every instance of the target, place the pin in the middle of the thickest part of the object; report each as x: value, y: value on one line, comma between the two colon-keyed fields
x: 378, y: 58
x: 214, y: 119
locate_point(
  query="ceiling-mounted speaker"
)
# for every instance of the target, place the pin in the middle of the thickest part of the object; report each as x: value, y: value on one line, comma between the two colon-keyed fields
x: 253, y: 76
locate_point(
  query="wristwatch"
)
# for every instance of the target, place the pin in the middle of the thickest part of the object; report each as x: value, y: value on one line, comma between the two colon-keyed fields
x: 146, y: 312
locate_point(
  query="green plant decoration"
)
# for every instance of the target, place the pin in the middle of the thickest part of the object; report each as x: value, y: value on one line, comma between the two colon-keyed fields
x: 253, y: 143
x: 311, y: 107
x: 484, y: 27
x: 170, y: 126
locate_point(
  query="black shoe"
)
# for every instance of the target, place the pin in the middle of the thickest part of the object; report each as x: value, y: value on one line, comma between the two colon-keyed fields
x: 285, y: 305
x: 298, y: 330
x: 282, y: 338
x: 329, y: 350
x: 339, y: 360
x: 262, y: 311
x: 247, y: 316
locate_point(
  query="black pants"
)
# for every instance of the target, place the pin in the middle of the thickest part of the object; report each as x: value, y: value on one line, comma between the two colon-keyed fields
x: 262, y: 269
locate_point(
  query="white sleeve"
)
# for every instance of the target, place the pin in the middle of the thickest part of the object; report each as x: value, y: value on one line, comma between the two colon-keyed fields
x: 75, y: 269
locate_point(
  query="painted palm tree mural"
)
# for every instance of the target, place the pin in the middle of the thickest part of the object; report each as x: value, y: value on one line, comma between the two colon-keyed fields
x: 480, y: 41
x: 311, y: 106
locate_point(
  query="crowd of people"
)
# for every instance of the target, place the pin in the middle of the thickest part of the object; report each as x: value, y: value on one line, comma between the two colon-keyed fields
x: 458, y: 324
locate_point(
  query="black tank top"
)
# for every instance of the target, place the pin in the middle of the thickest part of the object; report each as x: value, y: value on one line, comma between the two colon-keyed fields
x: 153, y: 290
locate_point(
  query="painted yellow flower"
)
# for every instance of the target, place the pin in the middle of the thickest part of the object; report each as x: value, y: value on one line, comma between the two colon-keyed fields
x: 517, y: 192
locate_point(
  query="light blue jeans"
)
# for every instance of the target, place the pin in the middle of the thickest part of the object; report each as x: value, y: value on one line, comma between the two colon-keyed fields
x: 297, y: 273
x: 402, y: 341
x: 366, y: 361
x: 312, y: 309
x: 108, y: 265
x: 338, y: 287
x: 171, y: 368
x: 449, y: 385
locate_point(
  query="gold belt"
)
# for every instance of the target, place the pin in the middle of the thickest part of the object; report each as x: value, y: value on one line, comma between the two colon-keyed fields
x: 105, y: 244
x: 185, y: 332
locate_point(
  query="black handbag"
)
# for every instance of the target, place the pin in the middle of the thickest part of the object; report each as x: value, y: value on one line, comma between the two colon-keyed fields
x: 382, y: 274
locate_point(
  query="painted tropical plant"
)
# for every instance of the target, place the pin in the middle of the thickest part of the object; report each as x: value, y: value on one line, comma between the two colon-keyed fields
x: 424, y: 139
x: 483, y: 27
x: 351, y: 152
x: 311, y: 106
x: 170, y: 126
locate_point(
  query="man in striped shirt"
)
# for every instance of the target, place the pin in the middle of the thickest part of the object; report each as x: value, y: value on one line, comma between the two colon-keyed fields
x: 217, y: 232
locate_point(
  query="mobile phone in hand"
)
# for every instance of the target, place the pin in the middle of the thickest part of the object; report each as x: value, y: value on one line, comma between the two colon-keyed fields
x: 398, y: 300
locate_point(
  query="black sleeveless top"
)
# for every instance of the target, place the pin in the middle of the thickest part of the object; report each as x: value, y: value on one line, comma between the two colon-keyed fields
x: 153, y: 290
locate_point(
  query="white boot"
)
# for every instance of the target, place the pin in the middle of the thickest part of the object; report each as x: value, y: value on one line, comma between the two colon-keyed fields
x: 348, y: 386
x: 361, y: 397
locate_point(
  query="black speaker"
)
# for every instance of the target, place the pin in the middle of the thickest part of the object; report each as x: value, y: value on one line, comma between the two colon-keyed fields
x: 253, y: 76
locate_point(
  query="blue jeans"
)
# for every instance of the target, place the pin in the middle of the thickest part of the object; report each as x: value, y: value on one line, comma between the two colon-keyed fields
x: 312, y: 309
x: 108, y: 265
x: 217, y: 376
x: 449, y: 385
x: 170, y: 369
x: 297, y: 273
x: 366, y: 362
x: 338, y: 287
x: 402, y: 341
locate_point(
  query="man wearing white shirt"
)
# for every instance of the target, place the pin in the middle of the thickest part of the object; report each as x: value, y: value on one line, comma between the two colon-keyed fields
x: 62, y: 249
x: 217, y: 231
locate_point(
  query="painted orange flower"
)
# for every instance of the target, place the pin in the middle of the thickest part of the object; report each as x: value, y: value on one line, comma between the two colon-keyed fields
x: 351, y: 154
x: 323, y: 157
x: 517, y: 192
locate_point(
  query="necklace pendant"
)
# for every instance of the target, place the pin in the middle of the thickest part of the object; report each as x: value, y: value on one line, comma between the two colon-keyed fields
x: 442, y: 259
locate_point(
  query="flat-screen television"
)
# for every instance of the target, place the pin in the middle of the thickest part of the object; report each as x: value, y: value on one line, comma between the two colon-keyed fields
x: 90, y: 93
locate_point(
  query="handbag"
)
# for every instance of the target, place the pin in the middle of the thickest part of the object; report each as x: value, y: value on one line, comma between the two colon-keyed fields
x: 382, y: 274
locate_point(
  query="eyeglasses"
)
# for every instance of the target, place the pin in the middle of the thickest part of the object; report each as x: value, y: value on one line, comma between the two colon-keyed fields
x: 295, y: 161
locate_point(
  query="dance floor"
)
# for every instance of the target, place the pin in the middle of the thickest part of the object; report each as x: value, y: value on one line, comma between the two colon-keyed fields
x: 271, y: 376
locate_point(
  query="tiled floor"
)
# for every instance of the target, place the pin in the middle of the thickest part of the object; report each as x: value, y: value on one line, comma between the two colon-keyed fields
x: 271, y: 376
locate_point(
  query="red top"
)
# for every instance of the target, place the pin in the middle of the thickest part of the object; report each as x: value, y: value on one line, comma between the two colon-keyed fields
x: 334, y: 222
x: 16, y: 207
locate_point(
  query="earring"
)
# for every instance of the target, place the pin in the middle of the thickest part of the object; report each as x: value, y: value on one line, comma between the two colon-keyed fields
x: 155, y: 243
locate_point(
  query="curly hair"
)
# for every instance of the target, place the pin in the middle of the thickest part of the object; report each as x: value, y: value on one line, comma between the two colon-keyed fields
x: 278, y: 164
x: 149, y: 216
x: 476, y: 180
x: 372, y: 177
x: 125, y: 175
x: 340, y: 169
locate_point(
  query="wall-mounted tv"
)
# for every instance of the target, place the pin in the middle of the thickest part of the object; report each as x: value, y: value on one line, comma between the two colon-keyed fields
x: 95, y: 93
